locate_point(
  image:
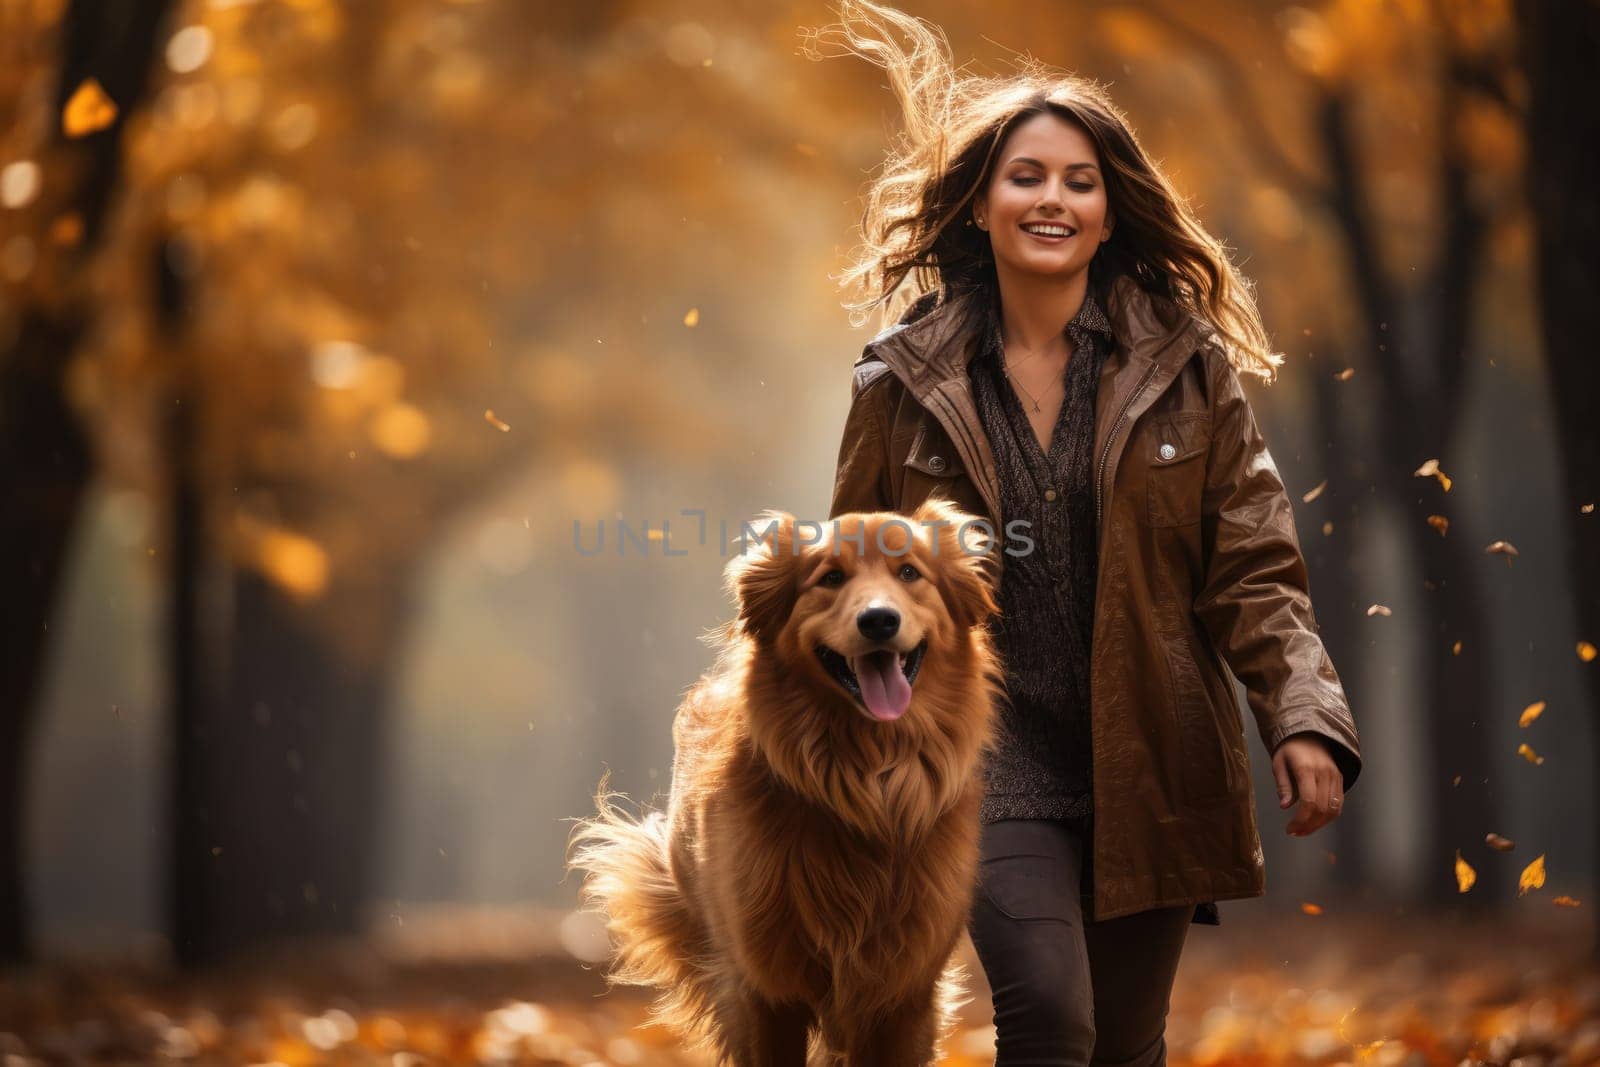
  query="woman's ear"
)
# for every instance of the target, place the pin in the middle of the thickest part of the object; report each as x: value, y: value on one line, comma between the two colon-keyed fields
x: 763, y: 575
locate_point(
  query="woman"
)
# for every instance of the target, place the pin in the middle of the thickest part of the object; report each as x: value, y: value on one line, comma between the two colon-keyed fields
x: 1158, y: 540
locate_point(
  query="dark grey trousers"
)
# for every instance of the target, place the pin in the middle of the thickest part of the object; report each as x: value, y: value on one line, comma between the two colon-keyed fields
x: 1068, y: 991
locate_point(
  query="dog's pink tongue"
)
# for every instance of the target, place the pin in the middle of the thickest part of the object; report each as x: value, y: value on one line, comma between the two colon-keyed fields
x: 883, y: 688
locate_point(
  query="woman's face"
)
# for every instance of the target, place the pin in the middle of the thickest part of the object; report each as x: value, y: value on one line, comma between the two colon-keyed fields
x: 1048, y: 173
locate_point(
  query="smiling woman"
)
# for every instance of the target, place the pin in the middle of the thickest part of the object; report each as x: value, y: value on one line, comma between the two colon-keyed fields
x: 1070, y: 361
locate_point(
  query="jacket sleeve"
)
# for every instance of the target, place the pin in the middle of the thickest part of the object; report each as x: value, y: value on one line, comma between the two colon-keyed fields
x: 1256, y: 602
x: 861, y: 479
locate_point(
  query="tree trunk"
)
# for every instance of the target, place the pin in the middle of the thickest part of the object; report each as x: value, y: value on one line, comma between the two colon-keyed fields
x: 44, y: 454
x: 1558, y: 42
x: 279, y: 782
x: 1419, y: 401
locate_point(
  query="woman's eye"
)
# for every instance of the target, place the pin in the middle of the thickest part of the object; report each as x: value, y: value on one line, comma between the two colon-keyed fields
x: 1081, y: 187
x: 833, y: 579
x: 908, y: 573
x: 1024, y: 181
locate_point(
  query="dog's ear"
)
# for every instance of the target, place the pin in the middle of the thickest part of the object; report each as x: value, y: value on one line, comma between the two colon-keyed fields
x: 763, y: 574
x: 965, y: 547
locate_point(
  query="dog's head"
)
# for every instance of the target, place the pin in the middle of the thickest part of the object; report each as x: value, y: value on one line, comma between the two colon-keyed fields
x: 861, y: 599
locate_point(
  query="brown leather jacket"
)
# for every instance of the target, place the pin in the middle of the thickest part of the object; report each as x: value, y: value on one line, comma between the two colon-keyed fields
x: 1199, y: 566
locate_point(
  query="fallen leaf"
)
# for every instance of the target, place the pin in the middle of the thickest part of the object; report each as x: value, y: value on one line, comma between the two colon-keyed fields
x: 1498, y: 843
x: 1378, y: 609
x: 88, y: 111
x: 1465, y: 875
x: 1532, y: 876
x: 1566, y: 901
x: 1312, y: 494
x: 1531, y: 712
x: 1431, y: 469
x: 494, y: 420
x: 1504, y: 548
x: 1587, y: 509
x: 1586, y: 651
x: 1440, y: 523
x: 1529, y: 754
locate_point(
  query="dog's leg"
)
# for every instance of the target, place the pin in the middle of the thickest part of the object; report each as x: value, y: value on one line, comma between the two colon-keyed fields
x: 763, y: 1034
x: 905, y: 1038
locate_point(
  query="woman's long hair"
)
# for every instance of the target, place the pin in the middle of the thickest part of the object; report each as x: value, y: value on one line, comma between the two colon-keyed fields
x: 955, y: 123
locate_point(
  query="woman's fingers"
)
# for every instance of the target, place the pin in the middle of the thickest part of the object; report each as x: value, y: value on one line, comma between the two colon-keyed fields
x: 1311, y: 799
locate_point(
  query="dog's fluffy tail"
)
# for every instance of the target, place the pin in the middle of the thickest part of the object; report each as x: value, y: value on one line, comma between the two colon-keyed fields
x: 656, y: 939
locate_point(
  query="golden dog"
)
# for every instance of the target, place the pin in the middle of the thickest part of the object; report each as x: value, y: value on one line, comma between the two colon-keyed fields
x: 809, y: 882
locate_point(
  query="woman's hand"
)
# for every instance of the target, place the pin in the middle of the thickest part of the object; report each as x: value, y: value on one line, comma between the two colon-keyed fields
x: 1304, y: 770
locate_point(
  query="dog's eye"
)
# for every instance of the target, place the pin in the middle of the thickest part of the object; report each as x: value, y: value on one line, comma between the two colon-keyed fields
x: 833, y: 579
x: 908, y: 573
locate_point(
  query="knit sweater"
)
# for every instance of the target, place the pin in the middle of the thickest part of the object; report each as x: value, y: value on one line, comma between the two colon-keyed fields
x: 1042, y: 766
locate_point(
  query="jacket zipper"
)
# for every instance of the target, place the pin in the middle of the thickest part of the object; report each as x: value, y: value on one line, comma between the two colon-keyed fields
x: 1100, y: 471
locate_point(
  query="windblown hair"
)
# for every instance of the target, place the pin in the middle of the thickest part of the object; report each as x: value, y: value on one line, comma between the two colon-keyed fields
x: 955, y: 124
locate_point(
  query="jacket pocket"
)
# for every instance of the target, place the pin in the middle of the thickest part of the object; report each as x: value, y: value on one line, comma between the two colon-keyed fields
x: 1206, y: 774
x: 930, y: 469
x: 1174, y: 453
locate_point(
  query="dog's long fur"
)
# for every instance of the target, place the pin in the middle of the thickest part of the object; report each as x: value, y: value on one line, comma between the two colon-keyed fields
x: 811, y: 876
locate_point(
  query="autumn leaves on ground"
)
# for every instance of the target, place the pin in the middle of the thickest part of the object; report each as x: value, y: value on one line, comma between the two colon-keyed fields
x: 1400, y: 990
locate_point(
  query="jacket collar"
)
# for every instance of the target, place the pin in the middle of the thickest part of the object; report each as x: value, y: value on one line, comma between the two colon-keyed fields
x: 930, y: 353
x: 931, y: 346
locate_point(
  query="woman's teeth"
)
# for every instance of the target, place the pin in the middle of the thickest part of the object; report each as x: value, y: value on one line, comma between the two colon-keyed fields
x: 1049, y: 231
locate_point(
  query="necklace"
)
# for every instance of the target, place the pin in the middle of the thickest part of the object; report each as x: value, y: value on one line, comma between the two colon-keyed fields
x: 1013, y: 379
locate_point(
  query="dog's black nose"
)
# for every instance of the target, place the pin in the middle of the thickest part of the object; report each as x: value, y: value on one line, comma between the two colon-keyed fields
x: 878, y: 624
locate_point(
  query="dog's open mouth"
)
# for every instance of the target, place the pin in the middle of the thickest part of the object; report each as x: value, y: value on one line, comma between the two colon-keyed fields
x: 880, y: 681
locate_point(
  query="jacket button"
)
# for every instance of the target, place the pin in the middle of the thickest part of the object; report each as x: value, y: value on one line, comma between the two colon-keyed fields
x: 1167, y: 451
x: 1049, y: 494
x: 936, y: 464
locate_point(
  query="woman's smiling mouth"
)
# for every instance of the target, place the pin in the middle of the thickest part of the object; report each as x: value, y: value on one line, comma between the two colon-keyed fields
x: 1052, y: 233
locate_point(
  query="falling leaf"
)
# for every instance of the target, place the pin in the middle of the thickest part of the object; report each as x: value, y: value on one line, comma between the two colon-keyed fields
x: 1456, y: 780
x: 1531, y: 712
x: 1311, y: 909
x: 692, y: 317
x: 1586, y: 651
x: 1587, y: 509
x: 1504, y: 548
x: 1465, y: 875
x: 1440, y: 523
x: 88, y: 111
x: 1345, y: 375
x: 1498, y: 843
x: 1527, y: 753
x: 805, y: 149
x: 1566, y: 901
x: 1431, y: 469
x: 1532, y: 876
x: 1378, y: 609
x: 1312, y: 494
x: 494, y: 420
x: 1455, y: 649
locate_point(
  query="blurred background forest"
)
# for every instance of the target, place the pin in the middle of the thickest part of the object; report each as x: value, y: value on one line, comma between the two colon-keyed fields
x: 323, y: 324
